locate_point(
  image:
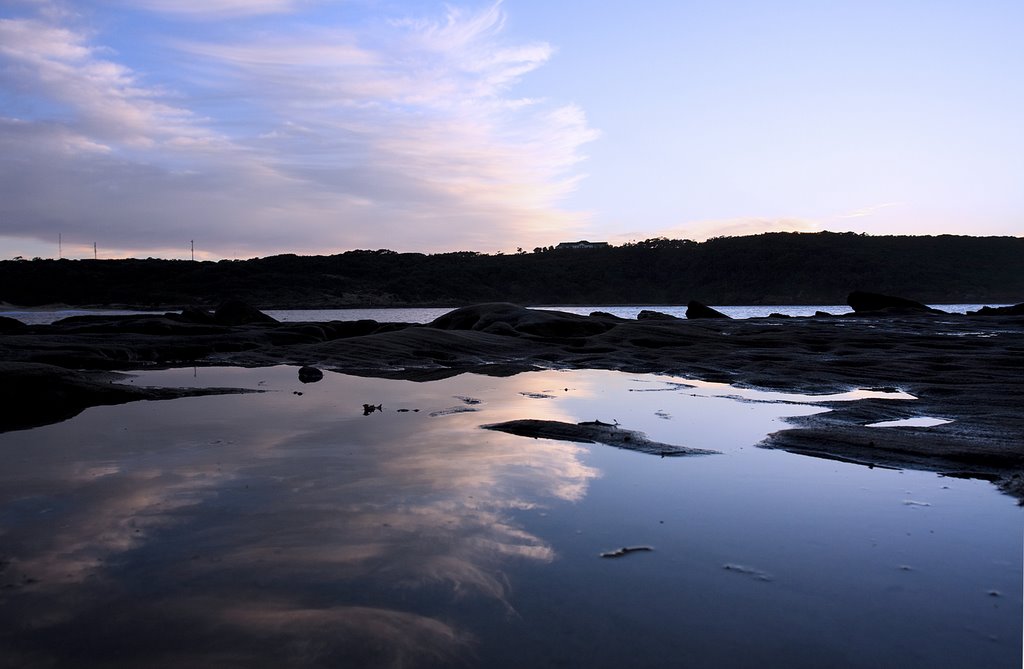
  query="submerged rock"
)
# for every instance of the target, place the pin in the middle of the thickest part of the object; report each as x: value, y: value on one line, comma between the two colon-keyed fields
x: 626, y: 550
x: 591, y: 432
x: 696, y: 309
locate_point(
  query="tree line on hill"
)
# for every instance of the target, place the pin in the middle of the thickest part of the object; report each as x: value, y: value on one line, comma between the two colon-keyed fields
x: 771, y: 268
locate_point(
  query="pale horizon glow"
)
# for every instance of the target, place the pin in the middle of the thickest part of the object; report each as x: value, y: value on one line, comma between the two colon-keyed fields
x: 320, y: 126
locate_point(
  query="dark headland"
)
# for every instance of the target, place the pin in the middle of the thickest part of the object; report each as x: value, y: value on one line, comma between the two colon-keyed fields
x: 774, y: 268
x: 966, y: 368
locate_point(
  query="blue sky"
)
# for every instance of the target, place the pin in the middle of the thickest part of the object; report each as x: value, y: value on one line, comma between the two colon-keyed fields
x: 317, y: 126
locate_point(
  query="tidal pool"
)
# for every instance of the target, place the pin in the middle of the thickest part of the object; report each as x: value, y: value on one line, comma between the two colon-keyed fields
x: 287, y: 528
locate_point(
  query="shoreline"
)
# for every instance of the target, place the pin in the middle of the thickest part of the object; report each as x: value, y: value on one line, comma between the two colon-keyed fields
x: 969, y: 369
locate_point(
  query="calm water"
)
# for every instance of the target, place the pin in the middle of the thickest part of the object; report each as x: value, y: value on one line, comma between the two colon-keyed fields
x: 427, y: 314
x: 283, y: 529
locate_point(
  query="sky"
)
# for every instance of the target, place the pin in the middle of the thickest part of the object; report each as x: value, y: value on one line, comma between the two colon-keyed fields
x: 256, y: 127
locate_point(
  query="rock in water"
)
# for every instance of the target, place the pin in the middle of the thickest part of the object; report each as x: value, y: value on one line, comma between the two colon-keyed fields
x: 862, y: 302
x: 590, y: 432
x: 234, y: 312
x: 310, y: 374
x: 697, y: 310
x: 648, y: 315
x: 194, y: 314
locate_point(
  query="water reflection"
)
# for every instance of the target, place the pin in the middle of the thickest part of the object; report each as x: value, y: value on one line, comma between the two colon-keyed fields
x: 279, y: 514
x: 280, y: 529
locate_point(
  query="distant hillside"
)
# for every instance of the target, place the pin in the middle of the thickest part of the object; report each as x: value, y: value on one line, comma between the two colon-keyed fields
x: 773, y: 268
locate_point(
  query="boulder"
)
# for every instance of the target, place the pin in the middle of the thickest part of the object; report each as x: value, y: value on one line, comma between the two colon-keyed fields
x: 647, y: 315
x: 863, y: 302
x: 494, y: 317
x: 195, y: 314
x: 235, y: 312
x: 310, y: 374
x: 697, y: 310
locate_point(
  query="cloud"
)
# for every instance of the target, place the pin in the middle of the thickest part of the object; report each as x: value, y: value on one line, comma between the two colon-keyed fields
x: 216, y: 9
x: 870, y: 211
x: 400, y: 134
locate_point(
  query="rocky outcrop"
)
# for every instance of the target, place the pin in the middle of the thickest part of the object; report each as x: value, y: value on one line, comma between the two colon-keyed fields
x: 234, y: 312
x: 510, y: 319
x: 34, y: 394
x: 648, y: 315
x: 593, y: 432
x: 1015, y: 310
x: 10, y: 324
x: 195, y: 314
x: 863, y: 302
x: 697, y: 310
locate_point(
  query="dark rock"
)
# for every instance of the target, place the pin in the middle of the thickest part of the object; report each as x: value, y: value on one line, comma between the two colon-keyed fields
x: 195, y: 314
x: 593, y: 432
x: 10, y: 324
x: 604, y: 315
x: 34, y: 394
x: 345, y: 329
x: 862, y: 302
x: 234, y: 312
x: 1015, y: 310
x: 697, y: 310
x: 298, y: 333
x: 822, y: 314
x: 776, y: 314
x: 648, y: 315
x: 310, y: 374
x: 520, y: 320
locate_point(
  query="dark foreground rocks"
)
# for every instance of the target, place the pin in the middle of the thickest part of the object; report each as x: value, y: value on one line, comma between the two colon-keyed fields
x: 968, y: 369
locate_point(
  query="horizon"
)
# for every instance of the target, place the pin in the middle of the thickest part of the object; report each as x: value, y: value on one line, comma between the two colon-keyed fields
x: 314, y: 127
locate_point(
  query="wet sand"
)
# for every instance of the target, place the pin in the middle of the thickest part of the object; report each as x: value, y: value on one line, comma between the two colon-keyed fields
x: 966, y: 369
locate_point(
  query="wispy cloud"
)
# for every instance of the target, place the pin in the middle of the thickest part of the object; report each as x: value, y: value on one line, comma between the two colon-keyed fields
x: 399, y: 133
x: 869, y: 211
x: 217, y: 9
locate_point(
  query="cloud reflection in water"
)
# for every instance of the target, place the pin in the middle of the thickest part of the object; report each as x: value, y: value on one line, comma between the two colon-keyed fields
x: 236, y: 521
